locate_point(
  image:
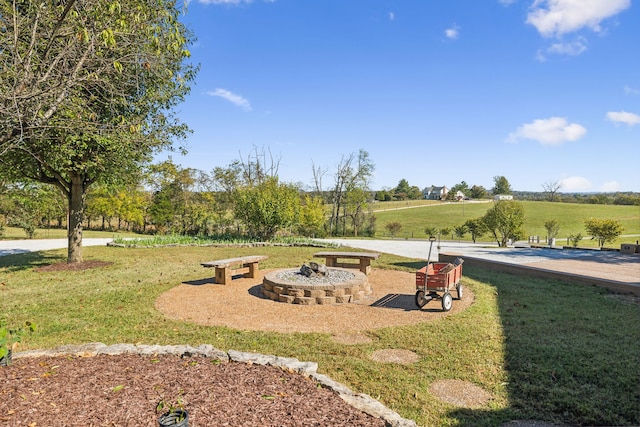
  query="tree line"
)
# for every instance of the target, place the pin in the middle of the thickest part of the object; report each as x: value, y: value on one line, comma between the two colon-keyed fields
x: 245, y: 197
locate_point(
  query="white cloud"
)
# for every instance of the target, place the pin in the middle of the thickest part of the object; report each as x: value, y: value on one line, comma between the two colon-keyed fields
x: 631, y: 91
x: 609, y: 187
x: 630, y: 119
x: 232, y: 98
x: 392, y: 16
x: 558, y: 17
x: 507, y: 2
x: 574, y: 48
x: 575, y: 183
x: 551, y: 131
x: 452, y: 33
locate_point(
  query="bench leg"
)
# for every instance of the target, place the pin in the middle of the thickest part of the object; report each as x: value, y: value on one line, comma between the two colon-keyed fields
x: 365, y: 265
x: 223, y: 275
x: 253, y: 269
x: 331, y: 262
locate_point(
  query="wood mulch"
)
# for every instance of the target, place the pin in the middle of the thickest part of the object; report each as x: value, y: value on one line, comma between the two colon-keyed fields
x: 125, y: 390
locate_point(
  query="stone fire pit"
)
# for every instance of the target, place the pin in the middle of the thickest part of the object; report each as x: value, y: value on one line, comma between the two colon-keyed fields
x: 338, y: 286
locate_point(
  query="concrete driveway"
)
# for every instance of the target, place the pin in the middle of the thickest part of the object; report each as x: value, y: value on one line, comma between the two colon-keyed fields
x: 607, y: 265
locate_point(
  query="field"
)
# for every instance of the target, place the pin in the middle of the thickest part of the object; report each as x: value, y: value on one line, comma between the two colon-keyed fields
x: 544, y: 350
x: 570, y: 216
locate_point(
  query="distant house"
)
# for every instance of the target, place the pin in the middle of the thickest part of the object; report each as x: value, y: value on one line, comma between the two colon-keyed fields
x: 460, y: 195
x: 503, y: 197
x: 435, y: 193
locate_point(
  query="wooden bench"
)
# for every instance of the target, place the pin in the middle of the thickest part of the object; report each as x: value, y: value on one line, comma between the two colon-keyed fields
x: 364, y: 259
x: 227, y: 268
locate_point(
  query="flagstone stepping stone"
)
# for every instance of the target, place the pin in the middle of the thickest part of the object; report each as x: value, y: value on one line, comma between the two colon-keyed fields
x: 394, y: 355
x: 460, y: 393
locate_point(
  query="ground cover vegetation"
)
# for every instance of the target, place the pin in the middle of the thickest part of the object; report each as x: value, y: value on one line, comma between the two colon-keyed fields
x: 545, y: 350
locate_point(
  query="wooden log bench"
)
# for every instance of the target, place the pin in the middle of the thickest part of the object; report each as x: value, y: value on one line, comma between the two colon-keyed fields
x: 227, y: 268
x: 364, y: 259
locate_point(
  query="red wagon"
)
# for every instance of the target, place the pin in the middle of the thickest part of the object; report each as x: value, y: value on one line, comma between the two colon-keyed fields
x: 436, y: 281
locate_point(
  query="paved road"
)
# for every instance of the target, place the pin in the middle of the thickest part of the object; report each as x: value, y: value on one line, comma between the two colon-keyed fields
x: 8, y: 247
x: 513, y: 255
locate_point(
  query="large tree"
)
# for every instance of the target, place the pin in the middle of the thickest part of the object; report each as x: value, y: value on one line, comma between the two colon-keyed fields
x: 501, y: 185
x: 268, y: 207
x: 505, y: 220
x: 87, y: 89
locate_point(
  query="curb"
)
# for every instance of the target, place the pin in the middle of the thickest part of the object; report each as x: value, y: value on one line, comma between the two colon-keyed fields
x: 360, y: 401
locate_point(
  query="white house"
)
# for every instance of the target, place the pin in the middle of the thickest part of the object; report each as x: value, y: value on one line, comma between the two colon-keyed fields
x: 435, y: 193
x: 502, y: 197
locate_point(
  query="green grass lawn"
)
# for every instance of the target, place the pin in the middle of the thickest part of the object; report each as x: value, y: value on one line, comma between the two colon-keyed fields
x: 570, y: 216
x: 544, y: 350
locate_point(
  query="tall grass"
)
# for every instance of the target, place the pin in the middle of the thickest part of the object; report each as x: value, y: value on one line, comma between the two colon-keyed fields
x: 544, y: 350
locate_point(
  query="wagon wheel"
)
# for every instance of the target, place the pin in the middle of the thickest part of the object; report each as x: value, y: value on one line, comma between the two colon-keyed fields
x: 421, y: 299
x: 447, y: 301
x: 459, y: 290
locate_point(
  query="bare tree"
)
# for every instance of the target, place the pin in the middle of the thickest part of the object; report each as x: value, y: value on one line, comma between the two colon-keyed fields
x: 318, y: 174
x: 352, y: 175
x: 551, y: 188
x: 259, y: 166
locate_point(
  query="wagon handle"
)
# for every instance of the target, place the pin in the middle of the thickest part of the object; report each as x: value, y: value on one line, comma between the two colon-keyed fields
x: 431, y: 239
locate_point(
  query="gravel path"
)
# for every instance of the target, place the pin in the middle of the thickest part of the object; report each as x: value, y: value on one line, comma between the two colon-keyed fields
x: 241, y: 305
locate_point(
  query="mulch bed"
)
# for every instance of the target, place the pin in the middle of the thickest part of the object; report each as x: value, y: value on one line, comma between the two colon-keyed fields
x: 125, y: 390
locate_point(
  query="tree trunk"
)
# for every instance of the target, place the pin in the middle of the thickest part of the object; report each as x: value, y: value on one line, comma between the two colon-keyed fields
x: 76, y: 216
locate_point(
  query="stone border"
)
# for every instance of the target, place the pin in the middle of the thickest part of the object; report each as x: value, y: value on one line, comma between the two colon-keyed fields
x: 353, y: 290
x: 360, y: 401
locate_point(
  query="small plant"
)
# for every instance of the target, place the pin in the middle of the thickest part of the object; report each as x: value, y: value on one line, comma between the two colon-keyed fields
x: 10, y: 337
x: 553, y: 228
x: 173, y: 414
x: 393, y: 228
x: 574, y: 239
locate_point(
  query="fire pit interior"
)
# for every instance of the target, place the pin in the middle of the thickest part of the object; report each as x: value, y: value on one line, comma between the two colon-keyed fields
x: 316, y: 284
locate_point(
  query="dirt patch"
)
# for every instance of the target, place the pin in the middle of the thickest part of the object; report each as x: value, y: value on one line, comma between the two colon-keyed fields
x: 392, y: 355
x: 352, y: 338
x: 240, y: 305
x: 74, y: 266
x: 460, y: 393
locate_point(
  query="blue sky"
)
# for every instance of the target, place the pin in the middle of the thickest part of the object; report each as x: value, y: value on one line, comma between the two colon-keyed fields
x: 436, y: 91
